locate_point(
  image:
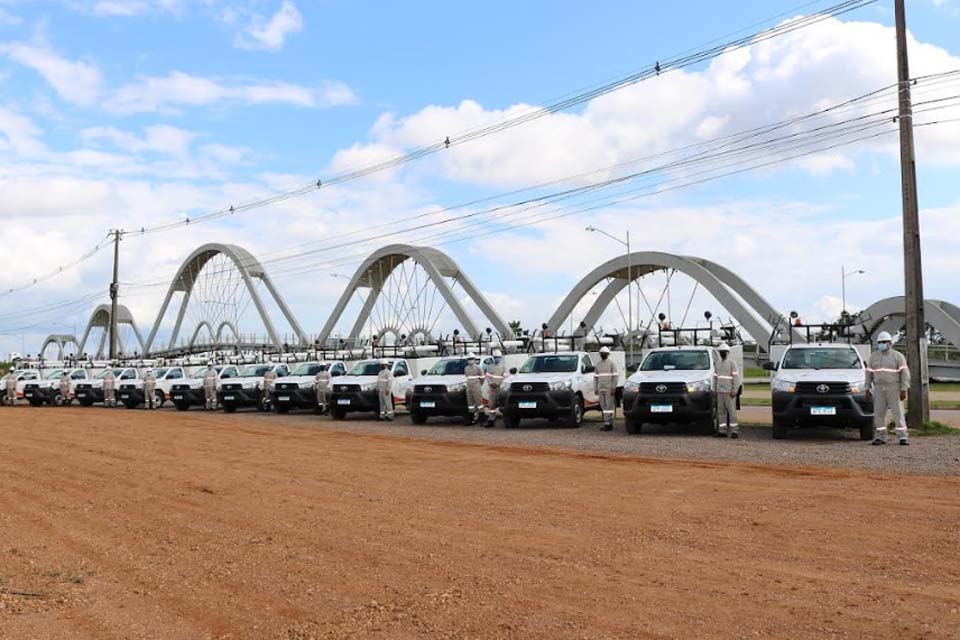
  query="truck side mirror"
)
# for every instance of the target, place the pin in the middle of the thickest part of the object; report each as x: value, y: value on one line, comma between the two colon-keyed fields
x: 423, y: 372
x: 770, y: 366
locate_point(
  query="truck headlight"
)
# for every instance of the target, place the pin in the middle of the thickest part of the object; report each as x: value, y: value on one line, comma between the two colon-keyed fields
x: 631, y: 386
x: 700, y: 385
x: 456, y: 388
x: 858, y: 386
x: 370, y: 386
x: 784, y: 385
x: 306, y: 385
x: 561, y: 385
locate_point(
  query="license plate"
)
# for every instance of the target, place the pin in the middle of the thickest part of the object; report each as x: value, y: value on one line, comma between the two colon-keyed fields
x: 823, y: 411
x: 428, y: 404
x: 343, y: 400
x: 28, y: 394
x: 661, y: 408
x: 124, y: 396
x: 283, y: 399
x: 178, y: 396
x: 527, y: 404
x: 81, y: 394
x: 229, y: 397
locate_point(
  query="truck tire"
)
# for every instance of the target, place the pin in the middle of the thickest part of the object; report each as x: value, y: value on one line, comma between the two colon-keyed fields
x: 282, y: 408
x: 160, y: 398
x: 575, y: 417
x: 866, y: 431
x: 338, y: 413
x: 130, y: 404
x: 779, y: 429
x: 181, y: 406
x: 86, y: 403
x: 229, y: 408
x: 36, y: 402
x: 633, y: 425
x: 58, y: 401
x: 418, y: 417
x: 511, y: 420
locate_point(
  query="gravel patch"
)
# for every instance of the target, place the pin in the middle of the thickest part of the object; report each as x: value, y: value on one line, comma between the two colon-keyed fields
x: 835, y: 448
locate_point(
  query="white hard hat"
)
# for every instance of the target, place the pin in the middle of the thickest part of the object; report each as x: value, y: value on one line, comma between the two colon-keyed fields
x: 384, y: 361
x: 497, y: 353
x: 604, y: 349
x: 471, y: 356
x: 883, y: 336
x: 723, y: 347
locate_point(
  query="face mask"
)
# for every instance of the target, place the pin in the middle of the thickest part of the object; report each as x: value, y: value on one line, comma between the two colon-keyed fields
x: 883, y: 346
x: 603, y: 356
x: 723, y: 355
x: 496, y: 359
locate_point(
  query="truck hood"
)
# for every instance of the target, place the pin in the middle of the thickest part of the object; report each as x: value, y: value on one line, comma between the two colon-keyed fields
x: 542, y: 377
x: 821, y: 375
x: 676, y: 375
x: 441, y: 380
x: 295, y: 379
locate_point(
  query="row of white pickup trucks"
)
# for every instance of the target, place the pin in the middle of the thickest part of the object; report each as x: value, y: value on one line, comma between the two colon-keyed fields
x: 812, y: 384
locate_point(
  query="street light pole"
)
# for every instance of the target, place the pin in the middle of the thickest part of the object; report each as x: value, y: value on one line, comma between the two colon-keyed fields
x: 629, y: 285
x: 843, y: 283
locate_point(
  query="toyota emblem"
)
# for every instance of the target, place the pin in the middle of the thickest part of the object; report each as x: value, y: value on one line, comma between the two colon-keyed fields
x: 661, y: 388
x: 528, y: 387
x: 427, y: 389
x: 823, y: 388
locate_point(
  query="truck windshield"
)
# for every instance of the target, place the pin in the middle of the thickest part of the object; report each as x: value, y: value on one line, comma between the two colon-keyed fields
x: 306, y: 369
x: 103, y: 374
x: 448, y: 368
x: 201, y: 373
x: 369, y: 368
x: 159, y: 373
x: 550, y: 364
x: 55, y: 374
x: 826, y: 358
x: 676, y: 360
x: 254, y: 371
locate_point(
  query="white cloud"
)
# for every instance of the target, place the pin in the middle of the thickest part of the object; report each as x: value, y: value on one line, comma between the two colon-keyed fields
x: 75, y: 81
x: 176, y: 90
x: 270, y: 34
x: 127, y: 8
x: 8, y: 19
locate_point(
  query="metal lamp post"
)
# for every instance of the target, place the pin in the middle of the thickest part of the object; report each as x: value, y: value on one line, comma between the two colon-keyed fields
x: 625, y: 243
x: 843, y: 283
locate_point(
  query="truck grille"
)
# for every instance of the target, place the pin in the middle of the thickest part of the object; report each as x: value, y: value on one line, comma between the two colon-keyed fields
x: 31, y: 387
x: 127, y: 387
x: 823, y: 388
x: 347, y: 388
x: 430, y: 388
x: 180, y: 387
x: 663, y: 387
x: 530, y: 387
x: 232, y: 387
x: 287, y: 386
x: 84, y: 386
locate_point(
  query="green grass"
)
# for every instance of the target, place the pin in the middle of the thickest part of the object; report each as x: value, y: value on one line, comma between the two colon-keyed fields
x: 934, y: 428
x: 755, y: 372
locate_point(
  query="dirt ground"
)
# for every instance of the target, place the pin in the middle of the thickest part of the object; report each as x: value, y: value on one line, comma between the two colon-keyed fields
x: 186, y: 526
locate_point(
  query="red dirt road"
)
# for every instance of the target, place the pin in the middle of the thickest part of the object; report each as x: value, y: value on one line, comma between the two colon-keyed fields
x: 173, y: 526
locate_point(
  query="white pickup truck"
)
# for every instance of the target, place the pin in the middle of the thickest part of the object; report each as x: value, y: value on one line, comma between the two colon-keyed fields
x: 820, y: 384
x: 357, y: 391
x: 47, y: 391
x: 246, y: 390
x: 23, y: 377
x: 550, y: 385
x: 297, y: 390
x: 131, y: 392
x: 441, y: 391
x: 90, y: 391
x: 189, y: 392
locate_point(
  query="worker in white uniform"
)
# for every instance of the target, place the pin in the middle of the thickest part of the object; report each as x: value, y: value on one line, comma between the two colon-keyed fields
x: 266, y: 394
x: 150, y: 390
x: 322, y: 385
x: 65, y: 389
x: 726, y: 387
x: 11, y: 388
x: 496, y: 373
x: 605, y: 378
x: 109, y: 390
x: 887, y: 381
x: 385, y: 391
x: 474, y: 390
x: 210, y: 387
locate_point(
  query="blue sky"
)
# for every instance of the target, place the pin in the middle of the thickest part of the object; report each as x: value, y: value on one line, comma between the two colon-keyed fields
x: 134, y: 112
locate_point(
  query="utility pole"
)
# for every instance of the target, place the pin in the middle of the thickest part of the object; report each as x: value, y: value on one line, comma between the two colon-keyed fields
x: 918, y: 408
x: 114, y: 293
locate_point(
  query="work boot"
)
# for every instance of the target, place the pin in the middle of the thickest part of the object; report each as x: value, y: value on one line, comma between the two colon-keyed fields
x: 719, y: 434
x: 878, y: 441
x: 491, y: 421
x: 903, y: 442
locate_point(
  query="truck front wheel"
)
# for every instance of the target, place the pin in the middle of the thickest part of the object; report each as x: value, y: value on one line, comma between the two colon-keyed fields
x: 575, y: 417
x: 866, y: 430
x: 633, y: 425
x: 779, y: 429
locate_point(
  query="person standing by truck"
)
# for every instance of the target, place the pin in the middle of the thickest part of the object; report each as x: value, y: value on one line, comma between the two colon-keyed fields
x: 11, y: 388
x: 109, y: 390
x: 475, y: 378
x: 605, y: 380
x: 323, y: 387
x: 65, y: 388
x: 266, y: 393
x: 385, y: 391
x: 887, y: 381
x: 496, y: 372
x: 727, y: 385
x: 210, y: 387
x: 150, y: 390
